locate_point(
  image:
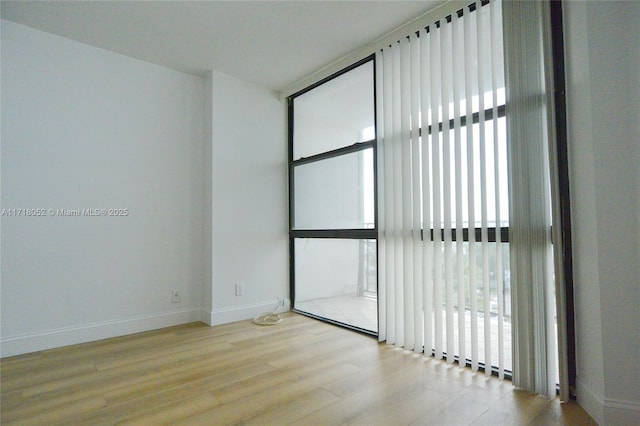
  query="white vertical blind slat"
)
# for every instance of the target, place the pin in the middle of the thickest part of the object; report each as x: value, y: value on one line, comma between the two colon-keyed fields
x: 457, y: 80
x: 397, y: 198
x: 436, y: 107
x: 496, y: 172
x: 389, y: 211
x: 482, y: 53
x: 381, y: 214
x: 407, y: 183
x: 414, y: 59
x: 427, y: 255
x: 470, y: 88
x: 445, y: 51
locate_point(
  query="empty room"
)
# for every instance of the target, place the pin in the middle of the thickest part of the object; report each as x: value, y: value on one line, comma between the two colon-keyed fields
x: 320, y: 212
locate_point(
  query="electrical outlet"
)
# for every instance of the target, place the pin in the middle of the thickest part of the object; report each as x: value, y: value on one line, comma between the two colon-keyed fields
x: 176, y: 297
x: 281, y: 302
x: 239, y: 290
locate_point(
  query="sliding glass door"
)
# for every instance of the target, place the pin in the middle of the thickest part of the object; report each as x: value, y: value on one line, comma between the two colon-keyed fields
x: 332, y: 192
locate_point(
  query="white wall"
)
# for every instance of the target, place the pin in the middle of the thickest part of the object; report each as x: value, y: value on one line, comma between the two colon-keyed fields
x: 249, y: 198
x: 603, y: 58
x: 86, y: 128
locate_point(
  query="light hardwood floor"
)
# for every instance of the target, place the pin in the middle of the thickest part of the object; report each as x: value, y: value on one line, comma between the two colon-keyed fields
x: 301, y: 372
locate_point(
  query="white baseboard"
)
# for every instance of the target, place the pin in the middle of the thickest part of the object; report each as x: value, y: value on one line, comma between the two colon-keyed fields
x: 32, y: 342
x: 607, y: 410
x: 618, y: 412
x: 243, y: 312
x: 590, y: 401
x: 205, y: 316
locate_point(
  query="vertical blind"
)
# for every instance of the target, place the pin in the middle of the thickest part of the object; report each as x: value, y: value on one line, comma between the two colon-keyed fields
x: 444, y: 273
x: 535, y: 200
x: 446, y: 198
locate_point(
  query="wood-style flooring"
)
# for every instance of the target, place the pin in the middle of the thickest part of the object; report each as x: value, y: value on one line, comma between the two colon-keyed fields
x: 301, y: 372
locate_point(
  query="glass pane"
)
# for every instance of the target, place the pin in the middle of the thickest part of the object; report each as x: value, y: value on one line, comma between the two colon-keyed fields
x: 335, y: 114
x: 336, y: 193
x: 337, y: 279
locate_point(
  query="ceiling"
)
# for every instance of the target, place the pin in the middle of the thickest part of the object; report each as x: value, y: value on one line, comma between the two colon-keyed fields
x: 270, y: 43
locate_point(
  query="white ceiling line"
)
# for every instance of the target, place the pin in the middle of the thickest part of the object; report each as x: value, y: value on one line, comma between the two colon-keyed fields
x: 410, y: 27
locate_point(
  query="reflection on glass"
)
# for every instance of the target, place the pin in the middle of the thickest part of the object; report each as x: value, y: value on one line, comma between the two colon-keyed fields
x: 337, y: 193
x: 336, y: 279
x: 335, y: 114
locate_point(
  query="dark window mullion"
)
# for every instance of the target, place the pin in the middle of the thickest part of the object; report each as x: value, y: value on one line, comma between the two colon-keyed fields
x: 354, y: 234
x: 491, y: 237
x: 475, y: 118
x: 356, y: 147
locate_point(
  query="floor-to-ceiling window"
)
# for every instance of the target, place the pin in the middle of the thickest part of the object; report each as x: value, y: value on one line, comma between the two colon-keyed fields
x: 332, y: 194
x: 467, y: 190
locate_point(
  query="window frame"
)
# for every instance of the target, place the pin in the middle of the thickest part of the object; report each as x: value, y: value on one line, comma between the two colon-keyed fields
x: 333, y: 233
